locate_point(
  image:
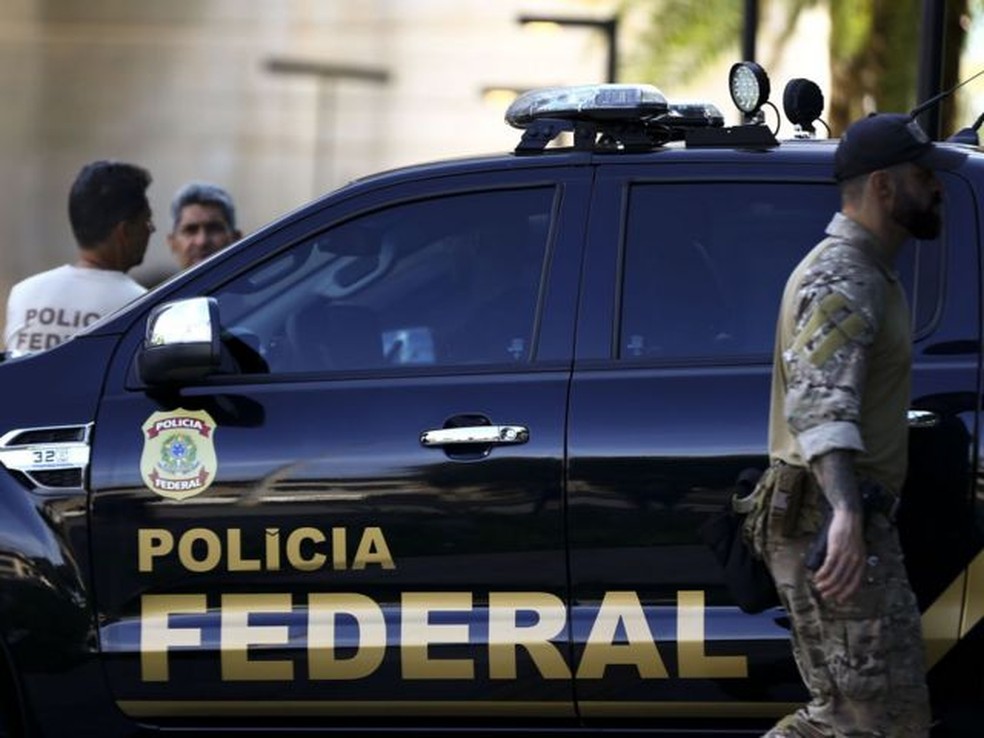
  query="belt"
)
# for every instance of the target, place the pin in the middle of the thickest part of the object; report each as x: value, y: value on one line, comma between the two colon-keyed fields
x: 874, y: 497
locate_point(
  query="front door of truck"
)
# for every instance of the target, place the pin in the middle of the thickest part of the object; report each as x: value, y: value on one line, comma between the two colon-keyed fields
x: 362, y: 520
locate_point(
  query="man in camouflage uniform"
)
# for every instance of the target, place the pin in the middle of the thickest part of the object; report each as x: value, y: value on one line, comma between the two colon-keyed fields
x: 838, y: 427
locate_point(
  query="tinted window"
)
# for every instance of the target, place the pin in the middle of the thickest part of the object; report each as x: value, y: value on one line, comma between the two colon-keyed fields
x: 704, y: 266
x: 441, y: 282
x: 921, y: 269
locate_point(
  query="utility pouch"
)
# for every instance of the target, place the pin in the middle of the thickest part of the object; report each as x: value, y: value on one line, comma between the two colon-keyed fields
x: 745, y: 572
x: 787, y: 499
x: 779, y: 505
x: 755, y: 508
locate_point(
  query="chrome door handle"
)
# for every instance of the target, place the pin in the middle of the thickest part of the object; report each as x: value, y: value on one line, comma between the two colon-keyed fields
x: 923, y: 419
x: 487, y: 435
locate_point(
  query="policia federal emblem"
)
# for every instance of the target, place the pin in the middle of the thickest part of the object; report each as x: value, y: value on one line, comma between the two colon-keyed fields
x: 178, y: 459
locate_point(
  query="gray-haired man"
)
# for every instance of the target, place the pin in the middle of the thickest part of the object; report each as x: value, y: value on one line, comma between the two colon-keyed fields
x: 204, y: 218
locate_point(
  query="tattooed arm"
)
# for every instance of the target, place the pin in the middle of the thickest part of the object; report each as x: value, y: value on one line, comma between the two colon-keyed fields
x: 841, y: 573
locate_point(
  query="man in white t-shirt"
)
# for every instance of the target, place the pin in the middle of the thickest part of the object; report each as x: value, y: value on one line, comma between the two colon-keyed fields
x: 112, y: 223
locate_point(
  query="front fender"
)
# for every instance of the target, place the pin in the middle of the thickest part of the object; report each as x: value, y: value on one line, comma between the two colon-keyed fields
x: 47, y: 621
x: 45, y: 608
x: 47, y: 605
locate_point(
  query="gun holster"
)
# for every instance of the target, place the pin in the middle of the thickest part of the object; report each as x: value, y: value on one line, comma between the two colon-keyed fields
x: 874, y: 499
x: 877, y: 499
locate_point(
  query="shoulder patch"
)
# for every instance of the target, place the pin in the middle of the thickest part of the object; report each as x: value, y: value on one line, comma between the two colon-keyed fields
x: 833, y: 324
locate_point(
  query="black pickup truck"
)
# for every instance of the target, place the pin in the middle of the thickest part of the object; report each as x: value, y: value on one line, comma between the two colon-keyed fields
x: 432, y: 452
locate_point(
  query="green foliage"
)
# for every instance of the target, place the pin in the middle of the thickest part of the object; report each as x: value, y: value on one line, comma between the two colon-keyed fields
x: 874, y: 45
x: 683, y: 37
x: 850, y: 24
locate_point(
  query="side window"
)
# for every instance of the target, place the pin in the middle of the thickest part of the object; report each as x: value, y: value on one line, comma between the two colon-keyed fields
x: 922, y: 271
x: 705, y: 266
x: 443, y: 282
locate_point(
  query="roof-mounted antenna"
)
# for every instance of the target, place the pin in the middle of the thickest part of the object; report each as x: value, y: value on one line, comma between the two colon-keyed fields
x: 968, y: 135
x: 923, y: 107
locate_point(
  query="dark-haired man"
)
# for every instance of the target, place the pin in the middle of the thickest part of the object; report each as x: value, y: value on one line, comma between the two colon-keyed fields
x: 838, y: 443
x: 112, y: 223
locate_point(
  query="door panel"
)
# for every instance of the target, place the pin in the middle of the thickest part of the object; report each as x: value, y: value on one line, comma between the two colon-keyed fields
x: 669, y: 406
x: 335, y: 567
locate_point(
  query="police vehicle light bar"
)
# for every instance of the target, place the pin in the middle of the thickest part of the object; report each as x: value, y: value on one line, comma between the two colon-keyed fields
x: 693, y: 115
x: 638, y: 117
x: 587, y: 102
x: 606, y: 117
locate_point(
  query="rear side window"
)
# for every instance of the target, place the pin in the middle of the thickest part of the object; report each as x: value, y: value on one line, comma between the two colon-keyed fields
x: 705, y: 264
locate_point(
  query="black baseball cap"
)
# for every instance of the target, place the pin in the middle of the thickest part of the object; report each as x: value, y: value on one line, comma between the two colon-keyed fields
x: 883, y: 140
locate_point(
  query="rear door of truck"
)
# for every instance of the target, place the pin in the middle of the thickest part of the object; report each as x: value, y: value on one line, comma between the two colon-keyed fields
x: 669, y: 406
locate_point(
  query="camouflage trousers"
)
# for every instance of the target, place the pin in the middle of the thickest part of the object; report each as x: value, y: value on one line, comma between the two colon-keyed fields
x: 862, y: 661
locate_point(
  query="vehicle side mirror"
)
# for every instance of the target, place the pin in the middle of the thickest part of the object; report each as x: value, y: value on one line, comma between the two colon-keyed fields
x: 181, y: 343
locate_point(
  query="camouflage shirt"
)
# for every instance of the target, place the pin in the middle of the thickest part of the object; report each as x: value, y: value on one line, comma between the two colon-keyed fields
x: 842, y: 364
